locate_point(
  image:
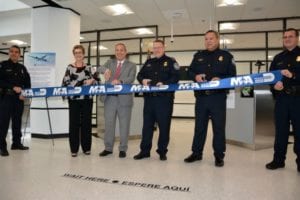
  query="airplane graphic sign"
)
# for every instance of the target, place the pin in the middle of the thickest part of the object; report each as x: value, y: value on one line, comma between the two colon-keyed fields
x: 41, y: 66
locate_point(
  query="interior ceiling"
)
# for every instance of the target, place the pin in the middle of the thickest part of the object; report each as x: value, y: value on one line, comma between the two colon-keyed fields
x: 194, y: 17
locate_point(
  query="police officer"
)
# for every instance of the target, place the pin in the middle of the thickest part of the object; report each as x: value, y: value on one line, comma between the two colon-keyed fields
x: 287, y: 99
x: 158, y: 107
x: 13, y: 78
x: 210, y: 65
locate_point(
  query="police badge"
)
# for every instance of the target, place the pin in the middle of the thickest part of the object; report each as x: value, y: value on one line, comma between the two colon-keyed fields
x: 298, y: 59
x: 165, y: 64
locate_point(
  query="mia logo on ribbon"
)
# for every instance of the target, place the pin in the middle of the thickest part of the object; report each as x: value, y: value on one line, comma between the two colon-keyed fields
x: 268, y: 77
x: 60, y: 92
x: 98, y: 89
x: 27, y: 93
x: 210, y: 84
x: 75, y: 90
x: 241, y: 80
x: 41, y: 92
x: 139, y: 88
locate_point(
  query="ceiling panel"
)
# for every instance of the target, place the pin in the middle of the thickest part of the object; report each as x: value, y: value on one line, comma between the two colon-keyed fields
x: 284, y: 8
x: 196, y: 18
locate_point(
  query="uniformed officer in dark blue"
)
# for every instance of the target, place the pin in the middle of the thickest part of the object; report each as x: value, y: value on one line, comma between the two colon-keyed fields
x: 287, y: 99
x: 13, y: 78
x: 158, y: 107
x: 210, y: 65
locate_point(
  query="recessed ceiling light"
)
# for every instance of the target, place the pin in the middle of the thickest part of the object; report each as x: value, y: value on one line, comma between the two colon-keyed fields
x: 117, y: 9
x: 228, y: 26
x: 17, y: 42
x: 81, y: 38
x: 100, y: 47
x: 224, y: 3
x: 142, y: 31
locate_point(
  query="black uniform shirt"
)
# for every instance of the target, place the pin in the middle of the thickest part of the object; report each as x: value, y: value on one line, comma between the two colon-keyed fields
x: 164, y: 69
x: 288, y: 60
x: 217, y: 63
x: 13, y: 74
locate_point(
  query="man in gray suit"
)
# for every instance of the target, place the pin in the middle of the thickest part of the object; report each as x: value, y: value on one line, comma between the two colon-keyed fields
x: 122, y: 71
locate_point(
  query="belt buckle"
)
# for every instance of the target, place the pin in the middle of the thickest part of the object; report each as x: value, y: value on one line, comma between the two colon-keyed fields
x: 154, y: 94
x: 207, y: 92
x: 288, y: 91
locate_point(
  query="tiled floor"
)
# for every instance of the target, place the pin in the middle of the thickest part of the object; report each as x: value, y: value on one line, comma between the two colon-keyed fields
x: 49, y: 172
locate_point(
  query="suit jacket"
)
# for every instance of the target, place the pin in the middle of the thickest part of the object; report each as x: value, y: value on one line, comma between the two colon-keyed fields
x: 127, y: 76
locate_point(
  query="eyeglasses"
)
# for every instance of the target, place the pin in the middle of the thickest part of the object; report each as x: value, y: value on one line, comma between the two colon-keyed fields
x: 159, y: 47
x: 288, y: 37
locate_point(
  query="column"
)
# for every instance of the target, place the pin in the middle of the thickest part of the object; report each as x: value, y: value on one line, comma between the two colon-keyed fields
x: 53, y: 30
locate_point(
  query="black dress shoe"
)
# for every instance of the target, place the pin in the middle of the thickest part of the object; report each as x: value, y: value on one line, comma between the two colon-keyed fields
x: 19, y: 147
x: 122, y: 154
x: 74, y: 154
x: 105, y: 153
x: 219, y: 162
x: 4, y: 152
x: 141, y: 155
x: 163, y: 157
x: 298, y: 164
x: 192, y: 158
x: 275, y: 165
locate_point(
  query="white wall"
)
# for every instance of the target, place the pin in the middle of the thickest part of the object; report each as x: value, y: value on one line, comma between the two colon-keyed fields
x: 15, y: 23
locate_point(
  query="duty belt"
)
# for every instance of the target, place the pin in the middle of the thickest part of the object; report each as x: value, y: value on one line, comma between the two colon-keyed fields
x: 209, y: 92
x: 292, y: 90
x: 159, y: 94
x: 115, y: 95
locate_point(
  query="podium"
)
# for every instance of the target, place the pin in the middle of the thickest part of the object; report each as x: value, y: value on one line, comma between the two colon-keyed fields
x: 250, y: 122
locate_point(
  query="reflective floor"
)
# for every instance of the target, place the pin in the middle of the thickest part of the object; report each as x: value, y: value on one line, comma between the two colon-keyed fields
x: 49, y: 172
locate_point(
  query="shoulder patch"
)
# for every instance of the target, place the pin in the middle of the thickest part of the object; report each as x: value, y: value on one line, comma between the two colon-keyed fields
x: 232, y: 61
x: 176, y: 66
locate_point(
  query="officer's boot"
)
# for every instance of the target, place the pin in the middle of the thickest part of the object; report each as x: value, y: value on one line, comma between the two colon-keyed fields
x: 3, y: 148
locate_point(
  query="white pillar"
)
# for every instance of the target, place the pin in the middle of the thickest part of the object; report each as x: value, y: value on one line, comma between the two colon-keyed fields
x: 53, y: 30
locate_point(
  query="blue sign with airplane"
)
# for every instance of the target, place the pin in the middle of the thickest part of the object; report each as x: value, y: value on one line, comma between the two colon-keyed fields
x: 41, y: 59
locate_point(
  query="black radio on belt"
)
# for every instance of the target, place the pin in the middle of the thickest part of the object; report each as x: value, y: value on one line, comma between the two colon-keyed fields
x: 290, y: 89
